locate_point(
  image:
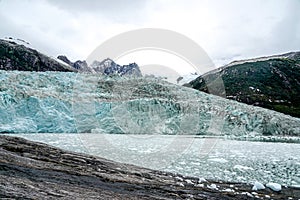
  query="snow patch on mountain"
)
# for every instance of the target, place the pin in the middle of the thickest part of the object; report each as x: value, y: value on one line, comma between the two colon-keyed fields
x: 187, y: 78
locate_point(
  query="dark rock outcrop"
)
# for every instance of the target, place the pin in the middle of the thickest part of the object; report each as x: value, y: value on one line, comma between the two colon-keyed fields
x: 30, y: 170
x: 79, y: 65
x: 270, y: 82
x: 65, y: 59
x: 109, y: 67
x: 105, y: 67
x: 14, y: 56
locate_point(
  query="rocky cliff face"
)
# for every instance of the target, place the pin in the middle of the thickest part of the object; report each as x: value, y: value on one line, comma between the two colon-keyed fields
x: 65, y: 59
x: 17, y: 56
x: 79, y: 65
x: 109, y: 67
x: 270, y: 82
x: 105, y: 67
x: 14, y: 56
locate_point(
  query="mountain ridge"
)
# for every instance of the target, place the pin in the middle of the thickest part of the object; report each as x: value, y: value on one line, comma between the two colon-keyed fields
x: 17, y: 54
x: 14, y: 56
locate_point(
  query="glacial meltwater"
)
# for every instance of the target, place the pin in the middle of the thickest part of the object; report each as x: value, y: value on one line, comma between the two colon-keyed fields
x: 209, y: 158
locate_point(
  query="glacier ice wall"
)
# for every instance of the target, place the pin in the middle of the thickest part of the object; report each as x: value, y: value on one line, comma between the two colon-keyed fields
x: 58, y: 102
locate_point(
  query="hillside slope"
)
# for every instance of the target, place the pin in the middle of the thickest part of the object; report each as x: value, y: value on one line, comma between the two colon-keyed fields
x: 14, y: 56
x: 270, y: 82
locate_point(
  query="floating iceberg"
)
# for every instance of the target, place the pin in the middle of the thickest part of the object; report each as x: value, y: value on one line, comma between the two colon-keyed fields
x: 66, y: 102
x: 274, y: 186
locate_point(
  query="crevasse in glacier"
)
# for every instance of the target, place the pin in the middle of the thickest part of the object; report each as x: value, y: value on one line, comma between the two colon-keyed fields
x: 59, y: 102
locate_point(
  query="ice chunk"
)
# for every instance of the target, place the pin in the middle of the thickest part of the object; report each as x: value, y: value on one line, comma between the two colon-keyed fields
x: 180, y: 184
x: 201, y: 180
x: 228, y: 190
x: 274, y: 186
x: 242, y: 168
x: 220, y: 160
x: 213, y: 186
x: 248, y: 194
x: 179, y: 178
x: 258, y: 186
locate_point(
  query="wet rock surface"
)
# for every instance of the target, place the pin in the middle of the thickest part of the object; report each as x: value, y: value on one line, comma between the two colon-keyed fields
x: 30, y: 170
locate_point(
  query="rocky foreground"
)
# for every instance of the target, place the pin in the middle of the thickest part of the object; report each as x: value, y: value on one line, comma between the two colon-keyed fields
x: 30, y: 170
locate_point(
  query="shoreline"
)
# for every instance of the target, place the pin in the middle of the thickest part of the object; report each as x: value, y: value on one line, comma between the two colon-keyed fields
x: 33, y: 170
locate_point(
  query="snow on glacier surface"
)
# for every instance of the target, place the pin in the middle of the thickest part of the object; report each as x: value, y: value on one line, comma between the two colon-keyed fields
x: 60, y: 102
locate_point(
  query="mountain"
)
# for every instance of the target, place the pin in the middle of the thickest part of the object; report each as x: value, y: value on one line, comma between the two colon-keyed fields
x: 109, y: 67
x: 60, y: 102
x: 270, y: 82
x: 105, y: 67
x: 79, y: 65
x: 14, y: 56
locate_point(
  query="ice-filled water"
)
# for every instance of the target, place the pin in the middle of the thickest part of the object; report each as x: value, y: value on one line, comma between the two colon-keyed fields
x: 57, y: 102
x: 211, y: 158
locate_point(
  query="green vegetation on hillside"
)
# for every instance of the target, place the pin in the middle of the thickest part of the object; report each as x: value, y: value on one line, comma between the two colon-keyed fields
x: 273, y: 83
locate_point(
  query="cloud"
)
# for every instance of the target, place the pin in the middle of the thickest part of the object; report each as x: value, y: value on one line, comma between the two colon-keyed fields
x: 53, y: 28
x: 231, y: 29
x: 286, y: 33
x: 116, y: 9
x: 106, y: 6
x: 227, y: 30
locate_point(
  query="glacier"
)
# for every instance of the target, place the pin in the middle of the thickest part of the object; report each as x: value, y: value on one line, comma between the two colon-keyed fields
x: 67, y: 102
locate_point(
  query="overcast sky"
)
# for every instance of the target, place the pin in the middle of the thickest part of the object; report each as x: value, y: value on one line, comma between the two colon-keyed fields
x: 226, y: 29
